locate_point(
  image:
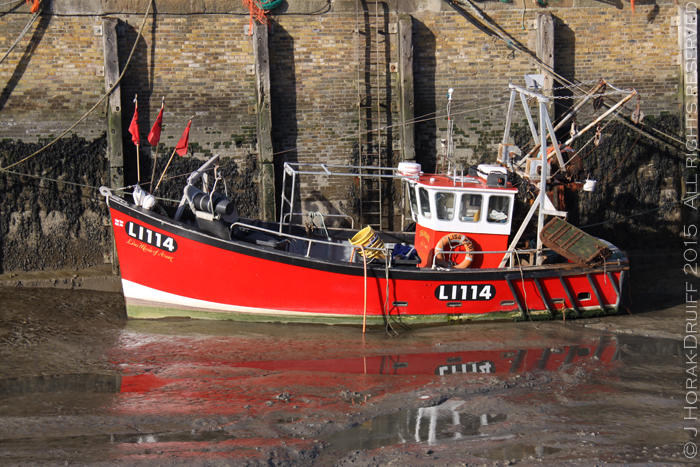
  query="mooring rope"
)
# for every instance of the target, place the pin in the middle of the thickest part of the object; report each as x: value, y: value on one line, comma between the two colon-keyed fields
x: 13, y: 1
x: 116, y: 83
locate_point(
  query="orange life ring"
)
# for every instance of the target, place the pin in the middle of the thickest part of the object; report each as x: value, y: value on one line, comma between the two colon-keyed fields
x: 454, y: 242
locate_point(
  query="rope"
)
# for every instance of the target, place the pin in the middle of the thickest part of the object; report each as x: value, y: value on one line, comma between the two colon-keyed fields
x: 23, y: 33
x: 268, y: 5
x: 256, y: 13
x: 364, y: 314
x: 623, y: 159
x: 126, y: 66
x: 388, y: 328
x: 52, y: 180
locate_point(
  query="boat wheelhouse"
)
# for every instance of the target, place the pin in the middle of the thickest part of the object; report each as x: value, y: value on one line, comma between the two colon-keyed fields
x: 477, y: 207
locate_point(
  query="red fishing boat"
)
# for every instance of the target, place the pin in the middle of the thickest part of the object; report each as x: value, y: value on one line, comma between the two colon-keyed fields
x: 462, y: 263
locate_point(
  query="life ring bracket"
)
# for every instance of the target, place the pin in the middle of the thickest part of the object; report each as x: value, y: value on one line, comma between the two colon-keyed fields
x: 450, y: 243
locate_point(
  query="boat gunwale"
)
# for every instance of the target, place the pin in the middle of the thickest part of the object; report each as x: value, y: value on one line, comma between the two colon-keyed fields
x: 375, y: 270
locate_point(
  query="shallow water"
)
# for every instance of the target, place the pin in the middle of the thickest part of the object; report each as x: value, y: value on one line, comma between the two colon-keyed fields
x: 81, y: 384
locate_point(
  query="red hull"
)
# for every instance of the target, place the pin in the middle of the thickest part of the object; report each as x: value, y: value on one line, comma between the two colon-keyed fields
x: 170, y: 269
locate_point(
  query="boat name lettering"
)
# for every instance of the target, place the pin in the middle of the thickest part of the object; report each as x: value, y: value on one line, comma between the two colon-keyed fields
x: 155, y: 239
x: 470, y: 367
x: 454, y: 292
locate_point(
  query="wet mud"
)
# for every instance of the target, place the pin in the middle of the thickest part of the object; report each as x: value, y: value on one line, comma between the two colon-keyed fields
x: 81, y: 385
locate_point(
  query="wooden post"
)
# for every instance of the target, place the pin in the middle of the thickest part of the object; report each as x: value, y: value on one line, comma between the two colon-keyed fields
x: 406, y: 97
x: 545, y: 52
x: 115, y: 146
x: 264, y: 122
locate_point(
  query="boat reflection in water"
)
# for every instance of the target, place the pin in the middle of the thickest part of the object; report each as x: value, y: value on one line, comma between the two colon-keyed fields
x: 445, y: 363
x: 186, y: 369
x: 192, y: 366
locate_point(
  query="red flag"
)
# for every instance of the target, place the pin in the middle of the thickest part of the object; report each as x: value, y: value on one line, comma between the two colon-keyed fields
x: 154, y: 135
x: 134, y: 127
x: 181, y: 147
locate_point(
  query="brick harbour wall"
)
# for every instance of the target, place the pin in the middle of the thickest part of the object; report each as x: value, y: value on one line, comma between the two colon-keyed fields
x: 51, y: 78
x: 201, y: 61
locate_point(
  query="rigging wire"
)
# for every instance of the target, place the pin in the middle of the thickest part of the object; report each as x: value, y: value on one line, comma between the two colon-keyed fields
x: 23, y: 33
x: 515, y: 45
x: 673, y: 203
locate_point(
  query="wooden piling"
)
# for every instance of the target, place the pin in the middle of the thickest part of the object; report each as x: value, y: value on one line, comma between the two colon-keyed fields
x: 545, y: 52
x: 264, y: 121
x: 115, y: 146
x: 406, y: 97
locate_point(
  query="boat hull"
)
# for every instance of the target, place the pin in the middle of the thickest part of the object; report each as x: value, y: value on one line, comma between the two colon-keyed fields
x: 170, y: 269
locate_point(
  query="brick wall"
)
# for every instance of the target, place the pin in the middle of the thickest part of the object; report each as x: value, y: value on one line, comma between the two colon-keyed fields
x: 50, y: 79
x: 201, y: 63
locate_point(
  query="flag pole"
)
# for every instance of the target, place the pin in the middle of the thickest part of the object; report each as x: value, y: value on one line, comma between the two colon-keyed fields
x: 165, y: 170
x: 155, y: 156
x: 184, y: 140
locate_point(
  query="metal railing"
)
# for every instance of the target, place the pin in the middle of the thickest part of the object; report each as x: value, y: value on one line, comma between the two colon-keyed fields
x: 313, y: 214
x: 511, y: 252
x: 292, y: 169
x: 303, y: 239
x: 384, y: 250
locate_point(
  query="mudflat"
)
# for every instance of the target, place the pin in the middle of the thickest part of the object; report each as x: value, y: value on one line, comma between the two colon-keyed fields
x: 82, y: 385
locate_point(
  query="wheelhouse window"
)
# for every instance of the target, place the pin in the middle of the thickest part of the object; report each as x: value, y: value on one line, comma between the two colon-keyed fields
x: 424, y: 203
x: 445, y: 205
x: 470, y: 210
x: 499, y: 207
x: 414, y: 200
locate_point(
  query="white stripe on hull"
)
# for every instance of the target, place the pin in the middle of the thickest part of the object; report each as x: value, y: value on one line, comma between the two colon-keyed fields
x: 138, y: 294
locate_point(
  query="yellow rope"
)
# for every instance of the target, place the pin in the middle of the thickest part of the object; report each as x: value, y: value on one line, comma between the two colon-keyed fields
x: 364, y: 316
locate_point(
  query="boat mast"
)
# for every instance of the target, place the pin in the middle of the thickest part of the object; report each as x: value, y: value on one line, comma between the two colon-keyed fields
x: 448, y: 143
x: 540, y: 203
x: 543, y: 179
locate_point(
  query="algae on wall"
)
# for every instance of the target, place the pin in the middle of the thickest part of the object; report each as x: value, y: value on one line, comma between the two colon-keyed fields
x: 240, y: 179
x: 634, y: 205
x: 53, y: 217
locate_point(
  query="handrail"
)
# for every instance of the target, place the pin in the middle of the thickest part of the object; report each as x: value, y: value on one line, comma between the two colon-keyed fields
x: 295, y: 168
x: 292, y: 169
x: 385, y: 250
x: 440, y: 252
